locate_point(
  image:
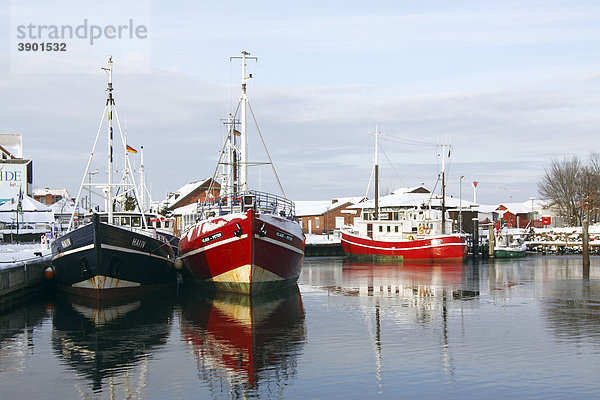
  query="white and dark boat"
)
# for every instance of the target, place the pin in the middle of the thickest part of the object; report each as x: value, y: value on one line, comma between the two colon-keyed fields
x: 244, y: 241
x: 120, y: 251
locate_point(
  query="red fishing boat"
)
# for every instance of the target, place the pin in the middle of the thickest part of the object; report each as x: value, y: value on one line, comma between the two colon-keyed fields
x: 409, y: 224
x: 244, y: 241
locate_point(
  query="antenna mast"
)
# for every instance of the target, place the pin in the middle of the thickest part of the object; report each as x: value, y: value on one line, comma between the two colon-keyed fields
x: 110, y: 102
x: 244, y: 137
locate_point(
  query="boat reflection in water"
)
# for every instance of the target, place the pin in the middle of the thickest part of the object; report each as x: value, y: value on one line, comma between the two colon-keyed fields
x: 245, y: 344
x: 105, y: 342
x: 395, y: 280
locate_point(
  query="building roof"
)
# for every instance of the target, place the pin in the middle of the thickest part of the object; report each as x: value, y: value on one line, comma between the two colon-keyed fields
x: 320, y: 207
x: 54, y: 192
x: 28, y: 205
x: 177, y: 196
x: 12, y: 144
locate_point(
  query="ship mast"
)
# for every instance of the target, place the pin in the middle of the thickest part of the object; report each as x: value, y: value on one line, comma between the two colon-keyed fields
x: 110, y: 102
x: 244, y: 138
x: 444, y: 146
x: 376, y: 215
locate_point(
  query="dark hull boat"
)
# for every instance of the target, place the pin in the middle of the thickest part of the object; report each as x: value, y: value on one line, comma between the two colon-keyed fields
x: 105, y: 261
x: 118, y: 252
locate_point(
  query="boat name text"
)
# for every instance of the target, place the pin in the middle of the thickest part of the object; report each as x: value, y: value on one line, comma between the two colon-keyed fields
x: 284, y: 236
x: 138, y: 243
x: 212, y: 237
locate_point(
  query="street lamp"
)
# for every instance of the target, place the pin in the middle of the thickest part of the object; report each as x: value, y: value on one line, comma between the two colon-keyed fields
x: 460, y: 206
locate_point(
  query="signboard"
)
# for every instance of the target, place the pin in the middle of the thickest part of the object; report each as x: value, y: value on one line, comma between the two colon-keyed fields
x: 12, y: 178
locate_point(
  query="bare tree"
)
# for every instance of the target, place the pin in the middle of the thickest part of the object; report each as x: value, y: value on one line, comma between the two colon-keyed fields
x: 573, y: 188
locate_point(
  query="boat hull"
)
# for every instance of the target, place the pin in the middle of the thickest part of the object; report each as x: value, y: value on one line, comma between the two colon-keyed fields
x: 243, y: 253
x: 450, y: 248
x: 103, y: 261
x: 509, y: 253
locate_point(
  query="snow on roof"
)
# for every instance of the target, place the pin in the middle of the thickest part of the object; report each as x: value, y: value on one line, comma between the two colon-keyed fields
x: 13, y: 143
x: 63, y: 206
x: 28, y: 205
x: 176, y: 196
x: 413, y: 189
x: 54, y: 192
x: 318, y: 207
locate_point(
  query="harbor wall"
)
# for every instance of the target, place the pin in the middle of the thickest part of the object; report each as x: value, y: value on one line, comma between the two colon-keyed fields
x: 21, y: 279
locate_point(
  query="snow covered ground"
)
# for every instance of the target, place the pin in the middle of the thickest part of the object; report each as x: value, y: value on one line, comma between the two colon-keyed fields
x: 311, y: 238
x: 12, y: 252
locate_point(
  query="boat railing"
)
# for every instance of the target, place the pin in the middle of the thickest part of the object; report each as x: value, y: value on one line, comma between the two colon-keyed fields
x: 260, y: 202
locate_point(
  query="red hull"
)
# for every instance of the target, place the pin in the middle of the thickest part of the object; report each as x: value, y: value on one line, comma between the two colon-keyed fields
x: 439, y: 248
x: 243, y: 253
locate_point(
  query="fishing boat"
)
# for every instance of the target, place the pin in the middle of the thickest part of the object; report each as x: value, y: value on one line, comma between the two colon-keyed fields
x: 116, y: 252
x: 510, y: 243
x: 409, y: 224
x: 244, y: 241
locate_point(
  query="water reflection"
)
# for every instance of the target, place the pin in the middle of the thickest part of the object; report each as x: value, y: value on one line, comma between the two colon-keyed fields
x: 406, y: 280
x: 245, y: 345
x: 17, y: 336
x: 102, y: 342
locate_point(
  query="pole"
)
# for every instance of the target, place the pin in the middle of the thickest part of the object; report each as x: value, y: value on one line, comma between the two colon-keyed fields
x: 475, y: 238
x: 491, y: 240
x: 110, y: 103
x: 460, y: 206
x: 243, y: 133
x: 376, y: 215
x: 585, y: 249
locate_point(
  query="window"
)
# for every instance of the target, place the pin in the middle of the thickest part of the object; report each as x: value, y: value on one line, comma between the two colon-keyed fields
x: 116, y: 220
x: 396, y: 229
x: 136, y: 222
x: 389, y: 228
x: 380, y: 228
x: 125, y: 221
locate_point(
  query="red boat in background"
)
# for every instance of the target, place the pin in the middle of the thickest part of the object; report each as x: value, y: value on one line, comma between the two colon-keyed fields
x: 449, y: 248
x: 410, y: 224
x: 244, y: 241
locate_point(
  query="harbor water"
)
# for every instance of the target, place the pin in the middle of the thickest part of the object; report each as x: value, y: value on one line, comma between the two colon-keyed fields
x: 525, y: 328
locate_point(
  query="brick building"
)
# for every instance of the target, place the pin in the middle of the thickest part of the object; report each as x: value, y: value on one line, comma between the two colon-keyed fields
x: 183, y: 201
x: 322, y: 217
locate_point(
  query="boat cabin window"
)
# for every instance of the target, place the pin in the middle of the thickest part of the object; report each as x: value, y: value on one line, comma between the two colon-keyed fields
x: 389, y: 228
x: 136, y: 222
x: 104, y: 219
x: 125, y: 221
x: 116, y: 220
x: 148, y: 222
x: 396, y: 228
x: 158, y: 224
x: 380, y: 228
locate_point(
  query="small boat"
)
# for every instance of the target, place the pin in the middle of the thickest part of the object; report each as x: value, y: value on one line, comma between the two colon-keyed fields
x: 244, y: 241
x: 400, y: 232
x: 118, y: 252
x: 510, y: 243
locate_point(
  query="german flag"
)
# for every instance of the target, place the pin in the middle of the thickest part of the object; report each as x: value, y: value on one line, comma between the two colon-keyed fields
x: 130, y: 149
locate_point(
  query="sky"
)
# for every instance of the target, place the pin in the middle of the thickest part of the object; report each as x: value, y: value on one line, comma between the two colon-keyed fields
x: 510, y: 85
